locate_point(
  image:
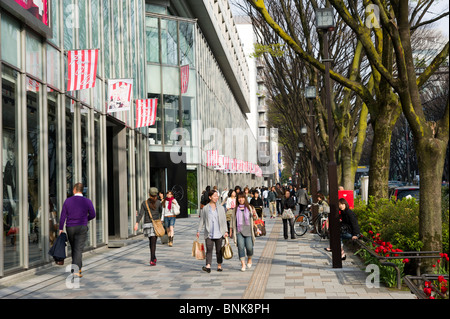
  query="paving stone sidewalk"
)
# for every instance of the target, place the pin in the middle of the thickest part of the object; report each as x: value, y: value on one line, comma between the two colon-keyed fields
x: 282, y: 269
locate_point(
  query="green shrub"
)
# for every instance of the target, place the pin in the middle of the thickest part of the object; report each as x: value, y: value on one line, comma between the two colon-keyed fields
x: 397, y: 221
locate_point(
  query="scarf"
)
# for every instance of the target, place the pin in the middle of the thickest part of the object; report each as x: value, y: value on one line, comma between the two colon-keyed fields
x: 239, y: 217
x: 170, y: 202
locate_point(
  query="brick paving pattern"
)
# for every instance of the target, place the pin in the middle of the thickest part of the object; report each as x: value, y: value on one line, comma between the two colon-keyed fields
x: 282, y: 269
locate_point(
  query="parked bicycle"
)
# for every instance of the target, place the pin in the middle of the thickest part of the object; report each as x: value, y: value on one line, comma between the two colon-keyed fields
x: 304, y: 222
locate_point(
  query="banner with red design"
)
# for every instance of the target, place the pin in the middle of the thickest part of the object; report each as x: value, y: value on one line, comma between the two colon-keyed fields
x: 184, y: 78
x: 82, y: 69
x: 146, y: 112
x: 119, y: 95
x: 212, y: 158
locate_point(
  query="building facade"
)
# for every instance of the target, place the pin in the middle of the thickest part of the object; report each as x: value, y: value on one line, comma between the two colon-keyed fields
x: 213, y: 113
x: 267, y: 137
x: 51, y: 139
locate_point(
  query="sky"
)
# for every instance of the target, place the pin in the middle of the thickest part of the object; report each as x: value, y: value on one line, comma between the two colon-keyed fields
x: 439, y: 8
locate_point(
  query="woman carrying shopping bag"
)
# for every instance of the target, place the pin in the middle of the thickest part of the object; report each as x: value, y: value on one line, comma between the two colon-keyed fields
x: 170, y: 210
x: 242, y: 230
x: 213, y: 222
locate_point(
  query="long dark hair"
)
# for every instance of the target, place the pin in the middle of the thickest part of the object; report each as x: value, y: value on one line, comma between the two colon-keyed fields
x: 344, y: 202
x: 153, y: 200
x: 246, y: 204
x: 164, y: 200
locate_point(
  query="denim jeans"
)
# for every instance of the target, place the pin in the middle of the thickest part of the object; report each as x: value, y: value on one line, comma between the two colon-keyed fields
x: 345, y: 236
x: 77, y: 236
x: 244, y: 243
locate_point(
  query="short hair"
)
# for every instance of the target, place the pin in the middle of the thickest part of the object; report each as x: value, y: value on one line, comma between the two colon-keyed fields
x: 78, y: 187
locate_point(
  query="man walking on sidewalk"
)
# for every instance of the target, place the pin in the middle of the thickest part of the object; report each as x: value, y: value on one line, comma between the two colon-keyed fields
x: 76, y: 212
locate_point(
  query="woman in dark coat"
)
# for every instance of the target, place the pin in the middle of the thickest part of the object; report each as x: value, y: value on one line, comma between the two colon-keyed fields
x: 349, y: 223
x: 156, y: 210
x: 288, y: 203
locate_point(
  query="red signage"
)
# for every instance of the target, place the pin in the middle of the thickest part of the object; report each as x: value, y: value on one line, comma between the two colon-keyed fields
x: 38, y: 8
x: 347, y: 195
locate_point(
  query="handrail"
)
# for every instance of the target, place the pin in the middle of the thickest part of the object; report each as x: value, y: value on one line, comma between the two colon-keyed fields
x: 416, y: 255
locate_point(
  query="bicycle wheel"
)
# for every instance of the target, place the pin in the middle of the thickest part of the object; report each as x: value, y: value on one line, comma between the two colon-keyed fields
x: 301, y: 224
x: 318, y: 225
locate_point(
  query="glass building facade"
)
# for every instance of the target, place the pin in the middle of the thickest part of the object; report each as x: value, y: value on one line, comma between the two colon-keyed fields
x: 51, y: 139
x: 209, y: 115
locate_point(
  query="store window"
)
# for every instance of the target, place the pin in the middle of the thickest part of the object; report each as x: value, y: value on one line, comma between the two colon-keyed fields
x: 98, y: 179
x: 33, y: 55
x: 54, y: 206
x: 55, y: 5
x: 155, y: 131
x: 152, y: 40
x: 85, y: 159
x: 70, y: 106
x: 10, y: 41
x: 96, y: 31
x: 106, y: 39
x: 187, y: 48
x: 155, y: 9
x: 35, y: 214
x: 53, y: 67
x: 169, y: 40
x: 83, y: 25
x: 11, y: 216
x: 170, y: 116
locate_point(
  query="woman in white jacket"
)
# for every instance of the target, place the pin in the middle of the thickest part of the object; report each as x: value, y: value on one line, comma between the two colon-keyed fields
x: 170, y: 210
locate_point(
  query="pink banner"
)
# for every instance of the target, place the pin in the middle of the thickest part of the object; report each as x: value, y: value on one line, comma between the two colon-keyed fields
x: 184, y: 78
x: 212, y: 158
x: 82, y: 69
x: 146, y: 112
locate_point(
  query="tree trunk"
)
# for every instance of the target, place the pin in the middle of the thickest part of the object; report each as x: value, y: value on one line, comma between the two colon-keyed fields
x: 381, y: 152
x: 431, y: 157
x: 347, y: 171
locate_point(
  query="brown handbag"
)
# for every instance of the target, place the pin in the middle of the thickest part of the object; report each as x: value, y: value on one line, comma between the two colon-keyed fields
x: 157, y: 224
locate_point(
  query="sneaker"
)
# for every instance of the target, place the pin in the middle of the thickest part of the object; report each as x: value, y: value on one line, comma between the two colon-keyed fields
x: 243, y: 268
x: 249, y: 266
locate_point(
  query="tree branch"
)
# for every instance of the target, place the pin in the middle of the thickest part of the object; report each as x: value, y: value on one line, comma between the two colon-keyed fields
x: 431, y: 69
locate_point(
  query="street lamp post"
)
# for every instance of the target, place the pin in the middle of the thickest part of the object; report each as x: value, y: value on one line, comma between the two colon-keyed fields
x: 310, y: 94
x: 325, y: 22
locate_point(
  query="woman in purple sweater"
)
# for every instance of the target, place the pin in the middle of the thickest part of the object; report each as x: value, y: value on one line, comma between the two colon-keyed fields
x: 76, y: 212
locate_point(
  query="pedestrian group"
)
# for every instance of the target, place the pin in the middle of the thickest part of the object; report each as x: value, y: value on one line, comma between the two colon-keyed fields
x: 231, y: 214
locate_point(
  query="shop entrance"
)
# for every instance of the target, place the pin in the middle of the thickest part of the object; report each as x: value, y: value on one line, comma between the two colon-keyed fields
x: 166, y: 175
x: 117, y: 180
